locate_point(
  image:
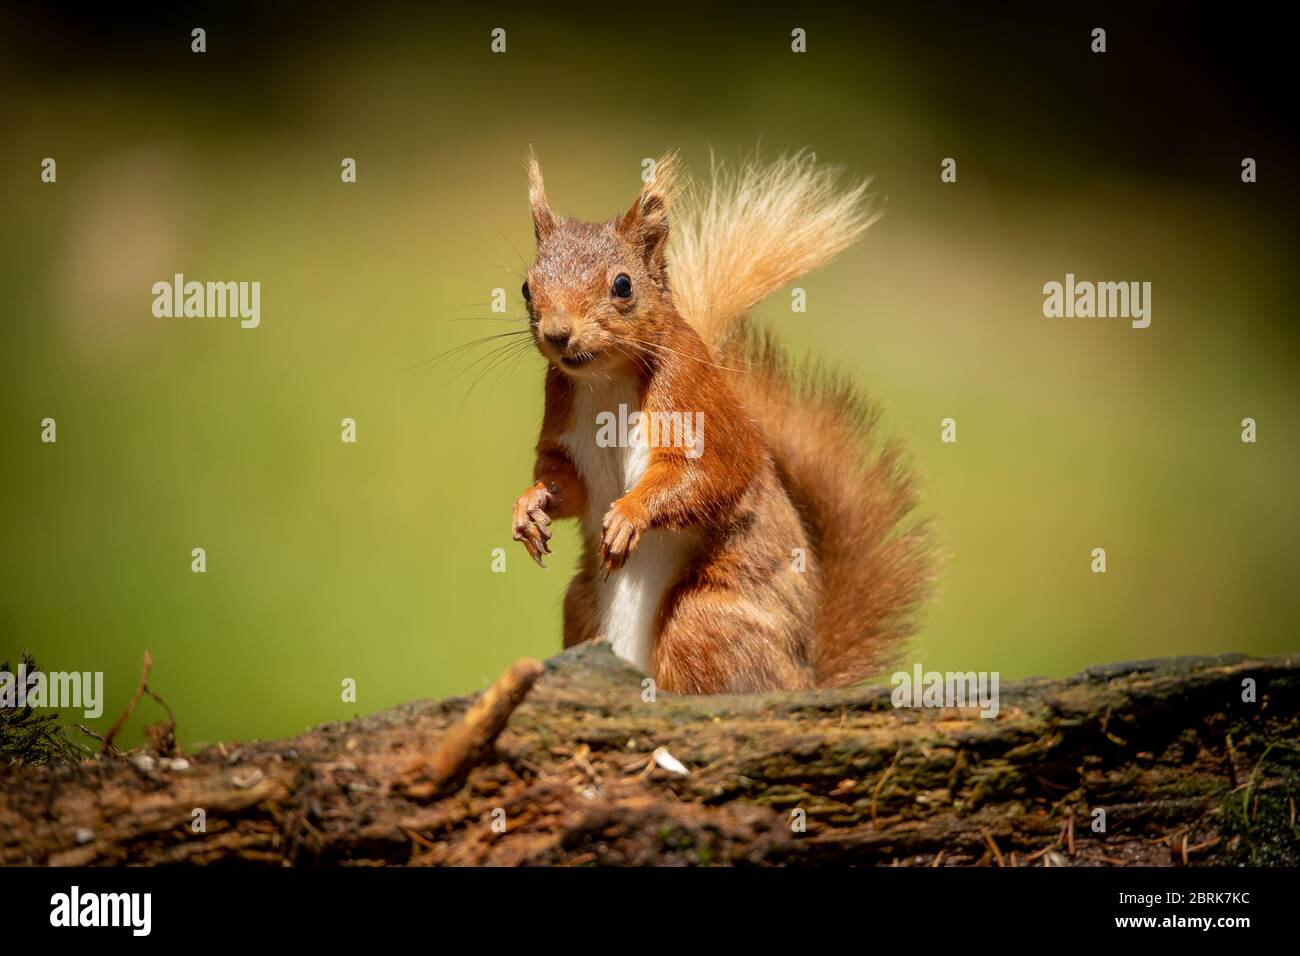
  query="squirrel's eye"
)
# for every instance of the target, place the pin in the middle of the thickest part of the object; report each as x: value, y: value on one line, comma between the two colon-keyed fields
x: 622, y: 286
x: 528, y: 296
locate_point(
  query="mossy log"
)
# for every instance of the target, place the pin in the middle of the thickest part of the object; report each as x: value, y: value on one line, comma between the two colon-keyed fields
x: 1186, y: 771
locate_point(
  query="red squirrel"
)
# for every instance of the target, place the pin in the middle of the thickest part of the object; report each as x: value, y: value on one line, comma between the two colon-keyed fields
x: 771, y: 549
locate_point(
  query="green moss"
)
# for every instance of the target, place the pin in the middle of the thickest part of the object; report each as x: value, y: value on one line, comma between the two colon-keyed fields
x: 29, y: 737
x: 1263, y: 812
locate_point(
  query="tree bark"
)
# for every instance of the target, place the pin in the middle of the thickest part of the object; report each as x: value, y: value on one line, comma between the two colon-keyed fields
x: 1185, y: 767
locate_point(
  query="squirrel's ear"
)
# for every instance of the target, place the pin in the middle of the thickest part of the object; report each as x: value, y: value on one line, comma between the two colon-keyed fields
x: 543, y: 218
x: 646, y: 223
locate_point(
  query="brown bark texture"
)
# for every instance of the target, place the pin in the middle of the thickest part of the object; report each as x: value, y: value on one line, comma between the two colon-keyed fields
x: 574, y: 762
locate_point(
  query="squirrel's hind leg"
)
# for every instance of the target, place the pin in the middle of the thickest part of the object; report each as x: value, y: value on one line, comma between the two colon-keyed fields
x: 714, y: 639
x: 581, y: 614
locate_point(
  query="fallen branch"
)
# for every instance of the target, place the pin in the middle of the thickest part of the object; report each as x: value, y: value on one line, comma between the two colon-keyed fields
x: 559, y: 769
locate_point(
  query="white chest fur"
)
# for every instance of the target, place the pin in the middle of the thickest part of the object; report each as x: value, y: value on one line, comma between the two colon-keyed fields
x: 629, y: 599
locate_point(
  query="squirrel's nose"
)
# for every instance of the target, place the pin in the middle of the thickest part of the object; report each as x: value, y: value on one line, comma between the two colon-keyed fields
x: 559, y: 339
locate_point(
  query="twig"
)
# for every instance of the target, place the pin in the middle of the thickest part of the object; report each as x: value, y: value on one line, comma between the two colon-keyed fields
x: 163, y: 734
x: 89, y: 733
x: 580, y: 759
x: 428, y: 844
x: 130, y: 708
x: 993, y: 847
x: 1205, y: 845
x: 880, y: 784
x: 469, y: 742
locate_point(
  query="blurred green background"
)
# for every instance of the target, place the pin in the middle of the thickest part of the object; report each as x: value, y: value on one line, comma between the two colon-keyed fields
x: 373, y: 561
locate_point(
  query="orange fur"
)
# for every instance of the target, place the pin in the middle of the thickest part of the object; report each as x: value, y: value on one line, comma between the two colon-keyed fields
x: 695, y: 553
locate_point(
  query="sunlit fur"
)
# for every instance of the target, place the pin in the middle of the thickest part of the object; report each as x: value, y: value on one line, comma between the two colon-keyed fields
x: 691, y: 566
x: 752, y: 229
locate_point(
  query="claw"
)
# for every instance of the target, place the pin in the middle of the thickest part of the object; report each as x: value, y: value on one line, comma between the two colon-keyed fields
x: 532, y: 524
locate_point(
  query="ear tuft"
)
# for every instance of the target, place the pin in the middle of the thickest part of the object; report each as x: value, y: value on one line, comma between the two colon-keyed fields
x: 543, y: 218
x: 646, y: 223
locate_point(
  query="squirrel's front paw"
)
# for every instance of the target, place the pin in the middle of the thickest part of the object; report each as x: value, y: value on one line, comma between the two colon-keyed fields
x: 532, y: 523
x: 623, y: 526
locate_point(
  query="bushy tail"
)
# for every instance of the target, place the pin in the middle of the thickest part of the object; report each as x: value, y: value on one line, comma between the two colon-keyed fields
x: 855, y: 494
x: 751, y: 230
x: 754, y: 231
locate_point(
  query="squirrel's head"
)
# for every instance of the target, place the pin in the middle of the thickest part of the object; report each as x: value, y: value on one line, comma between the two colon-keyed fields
x: 597, y: 293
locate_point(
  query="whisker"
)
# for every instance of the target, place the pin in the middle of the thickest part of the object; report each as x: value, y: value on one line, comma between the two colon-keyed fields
x: 486, y: 318
x: 638, y: 359
x: 504, y: 355
x: 665, y: 348
x: 497, y: 350
x: 508, y: 369
x: 502, y: 232
x: 460, y: 348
